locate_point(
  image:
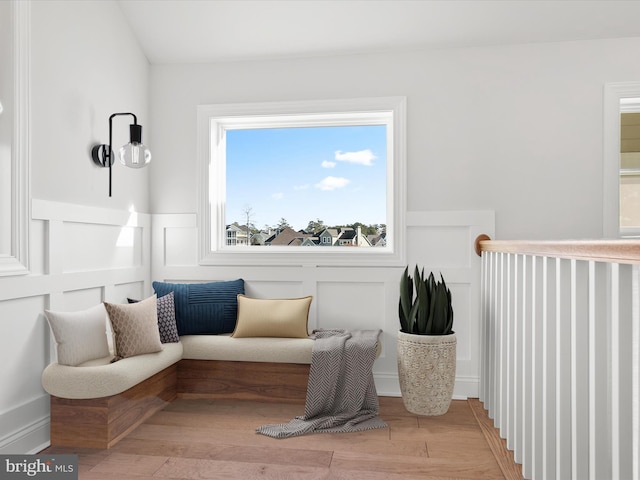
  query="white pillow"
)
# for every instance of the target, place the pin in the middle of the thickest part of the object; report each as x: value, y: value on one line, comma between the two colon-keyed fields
x: 80, y: 336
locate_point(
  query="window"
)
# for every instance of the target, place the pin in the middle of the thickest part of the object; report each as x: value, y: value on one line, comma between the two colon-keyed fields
x: 303, y: 174
x: 630, y: 166
x: 620, y: 185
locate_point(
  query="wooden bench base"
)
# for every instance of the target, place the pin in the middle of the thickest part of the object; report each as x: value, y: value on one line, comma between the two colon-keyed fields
x: 262, y: 381
x: 102, y: 422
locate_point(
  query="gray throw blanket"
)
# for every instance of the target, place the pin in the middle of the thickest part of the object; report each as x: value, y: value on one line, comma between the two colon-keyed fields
x: 341, y: 394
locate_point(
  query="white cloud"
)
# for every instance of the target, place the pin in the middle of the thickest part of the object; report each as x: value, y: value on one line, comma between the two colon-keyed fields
x: 278, y: 195
x: 328, y: 164
x: 301, y: 187
x: 331, y: 183
x: 362, y: 157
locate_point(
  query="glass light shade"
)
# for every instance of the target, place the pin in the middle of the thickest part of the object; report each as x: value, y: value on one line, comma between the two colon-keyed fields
x: 135, y: 155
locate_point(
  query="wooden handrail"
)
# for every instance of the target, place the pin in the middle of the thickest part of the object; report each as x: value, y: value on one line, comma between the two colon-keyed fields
x: 613, y: 251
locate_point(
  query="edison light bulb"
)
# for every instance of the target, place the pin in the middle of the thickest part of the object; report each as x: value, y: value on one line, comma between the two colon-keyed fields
x: 135, y: 154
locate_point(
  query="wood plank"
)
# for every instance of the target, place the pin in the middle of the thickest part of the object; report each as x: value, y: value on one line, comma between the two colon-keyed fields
x: 262, y: 381
x: 79, y: 434
x: 84, y: 412
x: 504, y: 457
x: 486, y: 469
x: 203, y: 469
x: 133, y: 465
x: 102, y: 422
x: 272, y: 453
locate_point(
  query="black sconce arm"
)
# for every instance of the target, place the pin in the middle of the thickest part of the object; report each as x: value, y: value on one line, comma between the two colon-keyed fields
x: 103, y: 154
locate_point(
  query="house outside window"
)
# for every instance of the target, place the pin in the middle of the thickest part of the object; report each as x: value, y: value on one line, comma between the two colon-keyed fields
x: 225, y: 132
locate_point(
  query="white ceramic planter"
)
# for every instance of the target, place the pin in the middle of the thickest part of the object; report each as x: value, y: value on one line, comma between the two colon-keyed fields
x: 427, y: 372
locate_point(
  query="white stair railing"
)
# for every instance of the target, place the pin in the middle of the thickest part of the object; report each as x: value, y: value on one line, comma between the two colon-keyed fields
x: 560, y: 350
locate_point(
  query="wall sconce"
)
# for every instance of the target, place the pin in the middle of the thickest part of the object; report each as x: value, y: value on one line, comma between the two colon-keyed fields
x: 134, y: 154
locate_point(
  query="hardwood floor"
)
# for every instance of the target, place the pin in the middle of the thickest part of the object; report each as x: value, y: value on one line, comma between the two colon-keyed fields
x: 216, y: 439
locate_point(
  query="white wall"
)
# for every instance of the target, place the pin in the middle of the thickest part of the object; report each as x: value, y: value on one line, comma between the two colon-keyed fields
x: 85, y: 65
x: 515, y: 129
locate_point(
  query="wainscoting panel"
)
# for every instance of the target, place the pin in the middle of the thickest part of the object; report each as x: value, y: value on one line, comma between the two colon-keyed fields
x: 80, y: 256
x: 445, y: 246
x: 182, y: 245
x: 84, y: 296
x: 370, y: 298
x: 275, y: 289
x: 96, y: 247
x: 354, y: 297
x: 443, y: 242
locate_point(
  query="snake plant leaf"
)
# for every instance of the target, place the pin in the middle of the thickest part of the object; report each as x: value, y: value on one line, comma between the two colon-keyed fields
x: 441, y: 310
x: 402, y: 317
x: 422, y: 315
x: 449, y: 326
x: 406, y: 302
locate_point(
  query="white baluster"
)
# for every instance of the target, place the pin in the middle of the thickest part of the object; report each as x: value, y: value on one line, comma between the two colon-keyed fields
x: 580, y: 363
x: 563, y: 377
x: 635, y: 362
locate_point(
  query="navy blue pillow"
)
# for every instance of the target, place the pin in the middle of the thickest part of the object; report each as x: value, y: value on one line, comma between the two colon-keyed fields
x: 204, y: 308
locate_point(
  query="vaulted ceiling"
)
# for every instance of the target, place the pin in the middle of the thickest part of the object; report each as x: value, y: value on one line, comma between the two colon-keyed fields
x: 195, y: 31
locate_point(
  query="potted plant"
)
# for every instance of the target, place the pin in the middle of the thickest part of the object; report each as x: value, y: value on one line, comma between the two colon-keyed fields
x: 426, y: 344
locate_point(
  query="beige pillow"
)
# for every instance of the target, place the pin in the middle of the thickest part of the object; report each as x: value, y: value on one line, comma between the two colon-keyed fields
x: 286, y: 317
x: 135, y: 327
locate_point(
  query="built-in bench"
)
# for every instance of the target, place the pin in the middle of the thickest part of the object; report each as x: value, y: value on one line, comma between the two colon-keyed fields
x: 97, y: 403
x: 252, y: 368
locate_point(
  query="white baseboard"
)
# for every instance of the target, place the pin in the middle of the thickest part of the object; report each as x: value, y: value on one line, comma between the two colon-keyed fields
x: 25, y: 429
x: 388, y: 385
x: 466, y: 387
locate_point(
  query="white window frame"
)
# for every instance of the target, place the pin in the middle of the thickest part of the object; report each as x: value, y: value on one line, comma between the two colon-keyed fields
x: 214, y: 120
x: 613, y: 93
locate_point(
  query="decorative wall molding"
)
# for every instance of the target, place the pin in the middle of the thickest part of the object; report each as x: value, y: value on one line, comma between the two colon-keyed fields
x: 24, y: 428
x: 16, y: 260
x: 358, y: 296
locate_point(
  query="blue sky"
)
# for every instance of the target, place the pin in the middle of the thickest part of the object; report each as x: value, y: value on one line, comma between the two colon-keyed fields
x: 336, y: 174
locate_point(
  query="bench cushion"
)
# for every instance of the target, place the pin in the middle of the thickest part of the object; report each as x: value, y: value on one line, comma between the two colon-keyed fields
x: 99, y: 378
x: 250, y: 349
